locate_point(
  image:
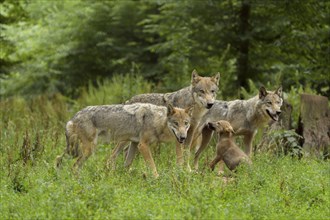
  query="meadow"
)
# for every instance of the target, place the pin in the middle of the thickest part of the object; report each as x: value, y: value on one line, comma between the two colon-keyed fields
x: 277, y: 186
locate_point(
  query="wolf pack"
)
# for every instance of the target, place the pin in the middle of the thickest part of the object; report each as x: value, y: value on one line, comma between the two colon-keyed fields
x: 188, y: 117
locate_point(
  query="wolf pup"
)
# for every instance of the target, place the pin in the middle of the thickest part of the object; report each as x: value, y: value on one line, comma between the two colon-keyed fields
x: 227, y: 150
x: 139, y: 123
x: 201, y: 93
x: 245, y: 116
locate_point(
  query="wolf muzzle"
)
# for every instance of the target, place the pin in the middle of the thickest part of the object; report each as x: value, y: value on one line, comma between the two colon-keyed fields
x: 209, y: 105
x: 211, y: 126
x: 274, y: 116
x: 181, y: 139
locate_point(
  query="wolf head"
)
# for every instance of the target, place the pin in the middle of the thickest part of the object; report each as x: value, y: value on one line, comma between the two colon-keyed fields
x: 221, y: 127
x: 178, y: 121
x: 204, y: 89
x: 271, y: 102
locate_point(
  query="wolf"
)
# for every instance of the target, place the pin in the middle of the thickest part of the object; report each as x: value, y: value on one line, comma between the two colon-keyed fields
x: 139, y: 123
x: 201, y: 93
x: 227, y: 150
x: 245, y: 116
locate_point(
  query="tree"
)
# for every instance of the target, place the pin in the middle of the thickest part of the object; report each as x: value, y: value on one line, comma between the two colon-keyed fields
x: 65, y: 44
x: 61, y: 46
x: 9, y: 14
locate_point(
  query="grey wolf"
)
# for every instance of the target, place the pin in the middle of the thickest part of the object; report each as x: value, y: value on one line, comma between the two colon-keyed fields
x: 245, y: 116
x: 201, y: 93
x: 227, y: 150
x: 139, y: 123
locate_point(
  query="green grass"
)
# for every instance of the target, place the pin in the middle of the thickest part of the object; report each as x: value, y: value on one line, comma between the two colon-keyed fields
x: 32, y: 135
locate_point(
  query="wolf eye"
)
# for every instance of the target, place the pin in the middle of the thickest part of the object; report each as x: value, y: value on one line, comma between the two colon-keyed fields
x: 176, y: 123
x: 213, y: 91
x: 202, y: 91
x: 269, y: 102
x: 186, y: 123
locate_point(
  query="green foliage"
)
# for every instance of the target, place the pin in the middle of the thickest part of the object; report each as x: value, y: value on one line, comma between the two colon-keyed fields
x: 10, y: 12
x: 252, y: 88
x: 251, y: 91
x: 66, y: 44
x: 117, y: 90
x: 61, y: 46
x: 293, y: 97
x: 283, y: 142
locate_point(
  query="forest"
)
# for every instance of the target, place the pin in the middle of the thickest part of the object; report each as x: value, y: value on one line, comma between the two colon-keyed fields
x: 59, y: 56
x: 51, y: 47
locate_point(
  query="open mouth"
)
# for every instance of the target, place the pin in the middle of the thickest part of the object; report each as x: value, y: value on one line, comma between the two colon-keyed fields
x: 208, y: 106
x: 178, y: 138
x: 272, y: 116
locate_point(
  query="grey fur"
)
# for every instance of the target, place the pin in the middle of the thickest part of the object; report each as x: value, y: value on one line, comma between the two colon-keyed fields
x: 245, y: 116
x: 139, y: 123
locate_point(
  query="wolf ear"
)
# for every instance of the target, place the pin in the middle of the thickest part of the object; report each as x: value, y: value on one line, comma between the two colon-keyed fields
x: 170, y: 109
x: 194, y: 77
x: 165, y: 97
x: 279, y: 91
x: 231, y: 133
x: 216, y: 79
x: 189, y: 110
x: 262, y: 92
x: 232, y: 130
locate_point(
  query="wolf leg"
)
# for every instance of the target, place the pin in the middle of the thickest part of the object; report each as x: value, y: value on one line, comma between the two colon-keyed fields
x: 111, y: 162
x: 187, y: 158
x: 146, y: 153
x: 179, y: 154
x: 215, y: 161
x: 221, y: 170
x: 190, y: 136
x: 58, y: 160
x: 206, y: 137
x: 248, y: 143
x: 131, y: 154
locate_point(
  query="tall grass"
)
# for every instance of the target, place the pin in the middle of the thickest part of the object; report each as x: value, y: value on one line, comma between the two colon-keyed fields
x: 32, y: 134
x: 117, y: 90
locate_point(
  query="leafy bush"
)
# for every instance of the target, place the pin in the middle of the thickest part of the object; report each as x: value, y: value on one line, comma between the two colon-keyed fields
x: 282, y: 142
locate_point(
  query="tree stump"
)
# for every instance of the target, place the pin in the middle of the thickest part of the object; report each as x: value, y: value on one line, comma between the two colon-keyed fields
x: 314, y: 125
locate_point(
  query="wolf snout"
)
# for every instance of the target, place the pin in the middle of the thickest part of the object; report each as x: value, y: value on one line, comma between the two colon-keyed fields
x: 209, y: 105
x: 211, y: 126
x: 182, y: 139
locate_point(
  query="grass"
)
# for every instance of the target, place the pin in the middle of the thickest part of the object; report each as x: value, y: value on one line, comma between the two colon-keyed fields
x: 275, y: 188
x: 32, y: 135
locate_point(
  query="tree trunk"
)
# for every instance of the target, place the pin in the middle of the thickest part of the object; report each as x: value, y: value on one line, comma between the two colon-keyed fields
x: 244, y: 43
x: 314, y: 124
